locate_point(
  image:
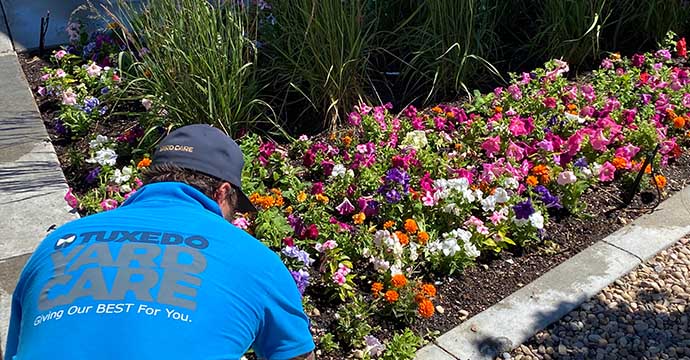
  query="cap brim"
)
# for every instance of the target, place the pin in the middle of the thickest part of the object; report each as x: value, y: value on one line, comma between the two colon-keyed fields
x: 243, y: 203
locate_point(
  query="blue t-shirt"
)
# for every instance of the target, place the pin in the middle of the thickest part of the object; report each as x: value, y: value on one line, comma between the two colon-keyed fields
x: 164, y: 276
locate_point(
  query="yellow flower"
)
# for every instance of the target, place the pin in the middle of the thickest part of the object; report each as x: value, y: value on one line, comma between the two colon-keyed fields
x: 301, y: 196
x: 322, y: 198
x: 358, y: 218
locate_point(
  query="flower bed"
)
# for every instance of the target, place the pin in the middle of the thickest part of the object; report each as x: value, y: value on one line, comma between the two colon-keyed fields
x: 369, y: 217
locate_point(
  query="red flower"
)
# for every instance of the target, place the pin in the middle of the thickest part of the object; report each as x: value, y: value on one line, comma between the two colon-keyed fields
x: 312, y: 231
x: 644, y: 77
x: 288, y: 241
x: 681, y: 48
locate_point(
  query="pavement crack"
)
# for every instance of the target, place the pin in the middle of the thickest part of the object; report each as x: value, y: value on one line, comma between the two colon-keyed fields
x: 624, y: 250
x: 446, y: 351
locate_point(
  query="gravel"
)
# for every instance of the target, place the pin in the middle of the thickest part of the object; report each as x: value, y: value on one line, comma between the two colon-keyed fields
x: 644, y: 315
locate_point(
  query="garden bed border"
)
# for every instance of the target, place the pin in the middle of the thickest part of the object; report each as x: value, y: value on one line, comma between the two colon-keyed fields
x: 515, y: 319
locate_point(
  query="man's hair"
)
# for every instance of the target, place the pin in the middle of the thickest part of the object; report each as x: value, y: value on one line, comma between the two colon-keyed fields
x: 168, y: 172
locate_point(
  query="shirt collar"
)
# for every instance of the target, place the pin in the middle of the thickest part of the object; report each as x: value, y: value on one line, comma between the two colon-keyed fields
x: 172, y: 191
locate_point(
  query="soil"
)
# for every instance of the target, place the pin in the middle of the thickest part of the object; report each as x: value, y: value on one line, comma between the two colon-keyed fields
x: 476, y: 288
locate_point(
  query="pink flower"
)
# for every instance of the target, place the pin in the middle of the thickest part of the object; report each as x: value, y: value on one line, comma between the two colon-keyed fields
x: 41, y: 91
x: 686, y: 100
x: 466, y: 174
x: 340, y: 275
x: 312, y: 232
x: 473, y: 221
x: 72, y: 200
x: 138, y: 182
x: 587, y: 111
x: 525, y: 78
x: 497, y: 217
x: 550, y: 103
x: 627, y: 152
x: 426, y: 183
x: 109, y: 204
x: 607, y: 64
x: 492, y: 145
x: 60, y: 73
x: 521, y: 126
x: 566, y: 177
x: 607, y: 172
x: 69, y: 97
x: 93, y: 70
x: 363, y: 108
x: 127, y: 195
x: 515, y: 92
x: 599, y: 141
x: 60, y: 54
x: 45, y: 77
x: 428, y: 199
x: 354, y: 119
x: 328, y: 245
x: 241, y: 223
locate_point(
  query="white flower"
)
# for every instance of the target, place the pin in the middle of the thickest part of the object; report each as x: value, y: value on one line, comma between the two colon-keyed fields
x: 489, y: 203
x: 380, y: 265
x: 380, y: 236
x: 416, y: 139
x: 471, y: 250
x: 147, y: 103
x: 374, y: 346
x: 93, y: 70
x: 125, y: 188
x: 396, y: 269
x: 414, y: 255
x: 99, y: 141
x: 121, y: 176
x: 501, y: 195
x: 449, y: 247
x: 338, y: 170
x: 537, y: 220
x: 104, y: 157
x: 511, y: 183
x: 566, y: 177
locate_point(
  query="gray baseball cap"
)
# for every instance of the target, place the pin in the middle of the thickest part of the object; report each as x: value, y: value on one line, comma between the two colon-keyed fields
x: 208, y: 150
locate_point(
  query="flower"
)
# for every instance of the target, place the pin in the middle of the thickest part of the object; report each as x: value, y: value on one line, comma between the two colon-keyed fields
x: 60, y: 54
x: 145, y: 162
x: 312, y: 232
x: 359, y: 218
x: 241, y: 223
x: 537, y: 220
x: 328, y: 245
x: 681, y: 48
x: 123, y: 175
x: 338, y: 170
x: 302, y: 196
x: 423, y: 237
x: 402, y: 238
x: 411, y: 226
x: 523, y: 210
x: 532, y: 180
x: 391, y: 296
x: 301, y: 278
x: 104, y: 157
x: 429, y: 290
x: 109, y: 204
x: 660, y: 181
x: 147, y: 103
x: 679, y: 122
x: 425, y: 308
x: 398, y: 280
x: 93, y: 70
x: 607, y: 172
x: 345, y: 207
x: 565, y: 178
x: 549, y: 200
x: 663, y: 54
x: 491, y: 145
x: 340, y: 275
x: 376, y: 288
x: 373, y: 346
x: 69, y: 97
x: 415, y: 139
x: 295, y: 253
x: 72, y: 200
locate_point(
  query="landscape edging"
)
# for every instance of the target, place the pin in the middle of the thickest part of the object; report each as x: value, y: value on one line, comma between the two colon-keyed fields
x: 515, y: 319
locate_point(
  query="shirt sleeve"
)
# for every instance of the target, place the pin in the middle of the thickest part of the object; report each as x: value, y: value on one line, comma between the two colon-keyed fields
x: 15, y: 325
x: 284, y: 330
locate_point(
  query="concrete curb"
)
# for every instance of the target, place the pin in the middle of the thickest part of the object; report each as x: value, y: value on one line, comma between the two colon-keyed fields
x: 532, y: 308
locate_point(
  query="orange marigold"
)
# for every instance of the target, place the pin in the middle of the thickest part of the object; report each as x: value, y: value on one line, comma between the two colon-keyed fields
x: 679, y: 122
x: 498, y: 109
x: 388, y: 224
x: 429, y: 290
x: 411, y: 226
x: 322, y: 198
x: 660, y: 181
x: 425, y: 308
x: 544, y: 179
x: 437, y: 109
x: 648, y: 169
x: 302, y: 196
x: 289, y: 210
x: 402, y: 237
x: 391, y: 296
x: 419, y: 297
x: 423, y: 237
x: 532, y: 181
x: 144, y: 163
x: 347, y: 140
x: 398, y: 280
x: 540, y: 170
x: 376, y: 288
x: 450, y: 115
x: 620, y: 163
x: 359, y: 217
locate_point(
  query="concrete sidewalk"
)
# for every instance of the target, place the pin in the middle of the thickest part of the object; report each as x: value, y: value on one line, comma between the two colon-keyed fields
x: 32, y: 185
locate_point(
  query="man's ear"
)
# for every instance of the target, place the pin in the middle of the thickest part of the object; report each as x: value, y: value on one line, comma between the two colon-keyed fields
x: 222, y: 192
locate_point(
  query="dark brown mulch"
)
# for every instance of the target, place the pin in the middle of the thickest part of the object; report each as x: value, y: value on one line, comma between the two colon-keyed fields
x: 477, y: 288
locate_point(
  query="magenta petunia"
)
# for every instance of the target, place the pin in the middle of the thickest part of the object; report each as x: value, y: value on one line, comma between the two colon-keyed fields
x: 492, y: 145
x: 607, y: 172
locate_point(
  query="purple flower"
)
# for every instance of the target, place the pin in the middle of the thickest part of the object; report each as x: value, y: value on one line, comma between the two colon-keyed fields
x: 92, y: 175
x: 547, y: 198
x: 60, y: 128
x: 301, y: 278
x: 523, y: 210
x: 637, y: 60
x: 581, y: 162
x: 663, y: 54
x: 392, y: 196
x: 399, y: 176
x: 297, y: 224
x: 345, y: 207
x: 295, y: 253
x: 369, y: 207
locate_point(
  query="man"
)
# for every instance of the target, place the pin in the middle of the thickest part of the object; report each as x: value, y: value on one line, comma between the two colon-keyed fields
x: 164, y: 276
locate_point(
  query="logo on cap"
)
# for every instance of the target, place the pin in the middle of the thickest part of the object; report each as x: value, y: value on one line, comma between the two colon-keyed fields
x: 176, y: 148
